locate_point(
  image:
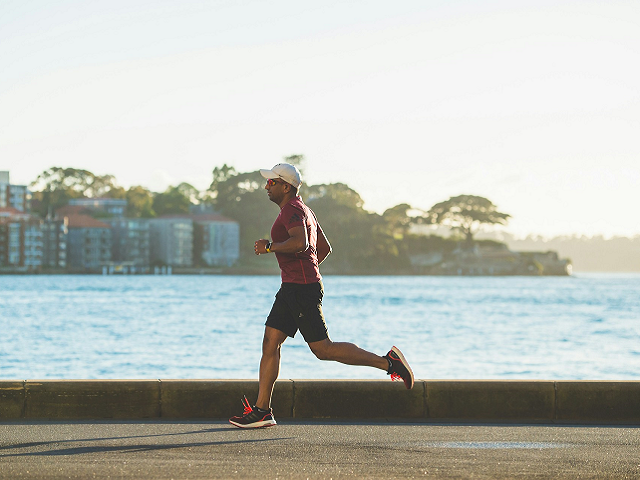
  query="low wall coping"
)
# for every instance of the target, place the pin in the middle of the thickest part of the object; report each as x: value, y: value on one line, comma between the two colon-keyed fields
x: 466, y: 401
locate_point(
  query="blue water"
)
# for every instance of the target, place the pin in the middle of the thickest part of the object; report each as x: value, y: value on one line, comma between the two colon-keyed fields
x: 95, y: 327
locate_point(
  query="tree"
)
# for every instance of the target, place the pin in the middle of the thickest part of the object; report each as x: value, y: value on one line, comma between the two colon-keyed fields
x: 466, y: 213
x: 190, y: 192
x: 103, y: 186
x: 241, y: 196
x: 362, y: 241
x: 56, y: 186
x: 220, y: 174
x: 171, y: 201
x: 139, y: 202
x: 339, y: 193
x: 82, y: 183
x: 400, y: 221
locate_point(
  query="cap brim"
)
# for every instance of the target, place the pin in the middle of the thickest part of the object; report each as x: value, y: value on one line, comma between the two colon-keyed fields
x: 269, y: 174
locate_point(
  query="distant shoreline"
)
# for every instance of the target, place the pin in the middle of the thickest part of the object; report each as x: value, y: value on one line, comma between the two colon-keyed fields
x: 266, y: 273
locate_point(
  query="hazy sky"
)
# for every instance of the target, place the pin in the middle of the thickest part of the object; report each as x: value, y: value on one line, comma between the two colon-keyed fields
x: 532, y: 104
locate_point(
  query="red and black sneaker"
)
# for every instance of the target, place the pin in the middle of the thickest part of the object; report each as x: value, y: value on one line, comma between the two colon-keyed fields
x: 399, y: 368
x: 253, y: 417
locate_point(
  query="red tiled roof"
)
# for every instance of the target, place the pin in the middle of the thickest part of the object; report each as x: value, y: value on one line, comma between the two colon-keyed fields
x: 11, y: 215
x: 85, y: 221
x: 9, y: 211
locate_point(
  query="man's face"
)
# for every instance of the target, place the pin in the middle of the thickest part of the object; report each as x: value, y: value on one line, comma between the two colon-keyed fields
x: 276, y: 189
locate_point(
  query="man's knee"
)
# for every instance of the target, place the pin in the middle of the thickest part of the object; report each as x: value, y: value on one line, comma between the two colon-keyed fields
x: 270, y: 346
x: 322, y: 349
x: 272, y: 341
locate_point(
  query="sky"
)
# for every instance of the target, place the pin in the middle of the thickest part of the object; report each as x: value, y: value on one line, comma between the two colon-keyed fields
x: 534, y: 105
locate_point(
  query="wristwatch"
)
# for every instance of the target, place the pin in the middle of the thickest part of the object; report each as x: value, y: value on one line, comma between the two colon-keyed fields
x: 267, y: 247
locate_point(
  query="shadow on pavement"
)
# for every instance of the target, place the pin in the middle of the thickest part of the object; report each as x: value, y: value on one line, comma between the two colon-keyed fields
x: 123, y: 448
x: 130, y: 448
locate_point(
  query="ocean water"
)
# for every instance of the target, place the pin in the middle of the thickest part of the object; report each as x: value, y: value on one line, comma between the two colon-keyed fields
x: 101, y: 327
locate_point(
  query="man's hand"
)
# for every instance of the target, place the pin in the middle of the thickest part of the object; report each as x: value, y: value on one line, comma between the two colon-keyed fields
x: 260, y: 246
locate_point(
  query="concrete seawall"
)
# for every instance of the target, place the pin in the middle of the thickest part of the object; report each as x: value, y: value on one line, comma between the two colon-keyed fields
x: 510, y: 401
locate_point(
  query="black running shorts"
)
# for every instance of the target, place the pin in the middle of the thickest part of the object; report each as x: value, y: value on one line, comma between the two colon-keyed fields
x: 299, y: 307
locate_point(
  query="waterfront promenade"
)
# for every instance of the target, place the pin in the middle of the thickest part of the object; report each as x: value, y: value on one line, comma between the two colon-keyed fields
x: 315, y: 449
x: 327, y: 429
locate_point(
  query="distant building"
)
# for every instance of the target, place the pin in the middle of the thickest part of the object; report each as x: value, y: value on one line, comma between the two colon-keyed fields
x: 130, y: 242
x: 114, y: 207
x: 216, y: 240
x: 20, y: 197
x: 68, y: 210
x: 497, y: 259
x: 5, y: 193
x: 424, y: 262
x: 171, y: 241
x: 20, y: 241
x: 16, y: 196
x: 89, y: 245
x: 55, y: 234
x: 548, y: 263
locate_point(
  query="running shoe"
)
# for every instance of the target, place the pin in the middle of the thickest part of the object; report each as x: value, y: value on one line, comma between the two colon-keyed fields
x: 399, y: 368
x: 252, y: 417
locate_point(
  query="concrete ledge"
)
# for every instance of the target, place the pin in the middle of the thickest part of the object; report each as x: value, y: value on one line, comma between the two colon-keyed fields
x: 515, y: 401
x: 219, y: 398
x: 482, y: 400
x: 357, y: 399
x: 12, y: 398
x: 598, y: 401
x: 90, y: 399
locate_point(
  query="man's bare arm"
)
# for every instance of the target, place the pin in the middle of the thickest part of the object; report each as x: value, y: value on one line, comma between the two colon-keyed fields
x: 297, y: 242
x: 324, y: 247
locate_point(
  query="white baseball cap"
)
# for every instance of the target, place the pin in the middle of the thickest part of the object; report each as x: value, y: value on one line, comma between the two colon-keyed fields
x: 287, y: 172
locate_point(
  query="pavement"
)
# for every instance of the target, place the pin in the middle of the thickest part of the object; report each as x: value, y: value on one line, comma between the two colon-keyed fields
x: 315, y: 449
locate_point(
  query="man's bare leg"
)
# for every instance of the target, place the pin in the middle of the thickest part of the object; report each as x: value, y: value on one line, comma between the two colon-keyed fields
x: 269, y: 365
x: 347, y: 353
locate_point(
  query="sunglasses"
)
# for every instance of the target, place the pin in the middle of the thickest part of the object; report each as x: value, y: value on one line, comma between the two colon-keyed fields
x: 271, y: 182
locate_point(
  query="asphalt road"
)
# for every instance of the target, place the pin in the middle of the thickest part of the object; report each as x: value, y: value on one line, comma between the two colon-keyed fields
x: 315, y: 450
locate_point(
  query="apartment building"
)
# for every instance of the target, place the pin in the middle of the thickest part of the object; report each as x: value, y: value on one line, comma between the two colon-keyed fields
x: 16, y: 196
x: 20, y: 241
x: 55, y: 234
x: 89, y: 244
x: 216, y: 240
x: 171, y: 241
x: 130, y: 242
x: 115, y: 207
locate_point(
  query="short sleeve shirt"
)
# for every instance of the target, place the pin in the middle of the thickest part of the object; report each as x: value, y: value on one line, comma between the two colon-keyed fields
x: 301, y: 267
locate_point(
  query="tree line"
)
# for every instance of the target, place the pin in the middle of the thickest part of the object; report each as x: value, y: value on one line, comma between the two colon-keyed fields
x: 363, y: 241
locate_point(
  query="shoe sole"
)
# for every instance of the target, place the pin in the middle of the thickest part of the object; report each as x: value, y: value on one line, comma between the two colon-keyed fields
x: 266, y: 423
x: 395, y: 350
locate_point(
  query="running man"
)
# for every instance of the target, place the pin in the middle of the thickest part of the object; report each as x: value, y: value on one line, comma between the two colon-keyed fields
x: 300, y: 246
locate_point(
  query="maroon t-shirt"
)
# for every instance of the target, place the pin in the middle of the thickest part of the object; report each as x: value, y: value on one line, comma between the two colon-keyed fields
x: 301, y: 267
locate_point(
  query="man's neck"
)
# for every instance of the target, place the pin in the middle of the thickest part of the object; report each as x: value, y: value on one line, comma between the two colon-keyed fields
x: 287, y: 199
